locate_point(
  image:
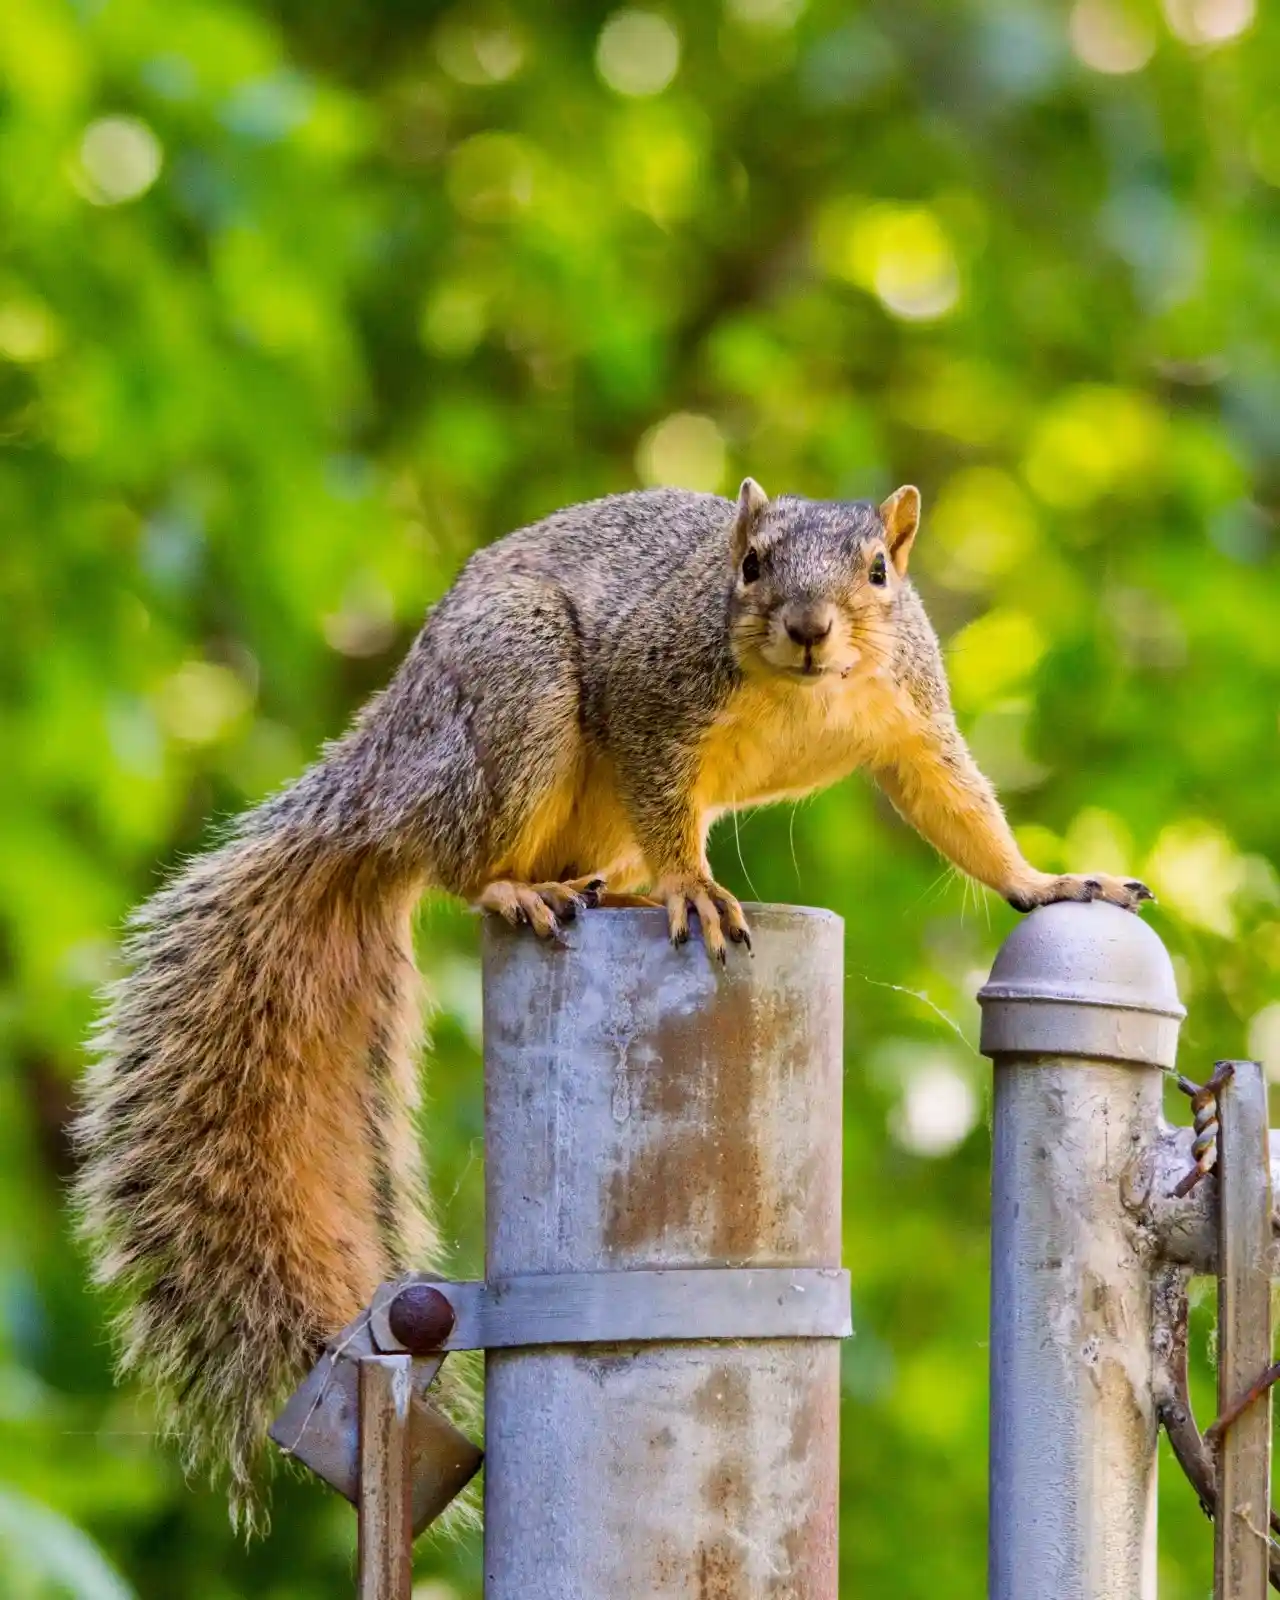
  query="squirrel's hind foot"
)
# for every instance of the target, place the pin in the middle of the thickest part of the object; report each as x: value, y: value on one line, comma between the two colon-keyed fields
x: 1126, y: 892
x: 718, y: 912
x: 544, y: 907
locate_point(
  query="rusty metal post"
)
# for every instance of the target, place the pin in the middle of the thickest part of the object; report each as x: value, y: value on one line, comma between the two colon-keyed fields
x: 1080, y: 1013
x: 646, y: 1110
x: 1241, y: 1546
x: 386, y: 1478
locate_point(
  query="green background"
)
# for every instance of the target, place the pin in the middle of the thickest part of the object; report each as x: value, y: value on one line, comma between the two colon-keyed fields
x: 300, y: 301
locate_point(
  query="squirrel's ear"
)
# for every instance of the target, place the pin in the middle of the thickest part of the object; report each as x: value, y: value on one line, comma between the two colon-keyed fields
x: 901, y: 517
x: 753, y: 502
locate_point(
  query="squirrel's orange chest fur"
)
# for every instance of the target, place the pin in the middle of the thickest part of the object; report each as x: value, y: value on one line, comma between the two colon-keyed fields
x: 777, y: 739
x: 774, y: 740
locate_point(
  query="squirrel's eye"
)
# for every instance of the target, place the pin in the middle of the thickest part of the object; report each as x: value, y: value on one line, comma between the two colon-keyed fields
x: 750, y: 567
x: 878, y: 574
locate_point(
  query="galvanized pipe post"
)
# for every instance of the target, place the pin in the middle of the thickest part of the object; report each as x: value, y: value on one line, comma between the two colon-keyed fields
x: 1079, y: 1016
x: 646, y: 1110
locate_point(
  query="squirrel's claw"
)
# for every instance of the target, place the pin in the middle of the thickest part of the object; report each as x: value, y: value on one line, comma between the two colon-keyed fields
x: 1127, y: 892
x: 542, y: 906
x: 717, y: 910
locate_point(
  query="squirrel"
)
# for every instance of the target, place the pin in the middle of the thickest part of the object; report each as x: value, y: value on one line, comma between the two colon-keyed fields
x: 592, y: 692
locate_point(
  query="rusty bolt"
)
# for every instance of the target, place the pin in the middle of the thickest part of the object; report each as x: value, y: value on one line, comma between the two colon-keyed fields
x: 421, y: 1318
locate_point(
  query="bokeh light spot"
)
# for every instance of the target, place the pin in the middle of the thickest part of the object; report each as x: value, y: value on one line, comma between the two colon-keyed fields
x: 900, y: 253
x: 28, y: 332
x: 1090, y: 442
x: 1099, y: 841
x: 454, y: 319
x: 491, y: 176
x: 685, y: 450
x: 770, y: 14
x: 638, y: 53
x: 1196, y: 870
x: 365, y: 623
x: 201, y: 703
x: 992, y: 655
x: 1264, y: 1039
x: 982, y: 526
x: 658, y: 162
x: 479, y: 55
x: 1110, y: 36
x: 119, y: 159
x: 1208, y: 22
x: 938, y: 1109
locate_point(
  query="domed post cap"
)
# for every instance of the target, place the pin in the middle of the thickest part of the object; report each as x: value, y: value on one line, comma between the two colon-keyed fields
x: 1082, y: 979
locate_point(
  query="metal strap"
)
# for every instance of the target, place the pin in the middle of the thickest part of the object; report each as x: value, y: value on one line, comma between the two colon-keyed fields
x: 672, y: 1306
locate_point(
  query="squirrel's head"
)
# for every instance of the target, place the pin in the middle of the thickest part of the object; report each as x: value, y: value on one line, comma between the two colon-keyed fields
x: 815, y: 582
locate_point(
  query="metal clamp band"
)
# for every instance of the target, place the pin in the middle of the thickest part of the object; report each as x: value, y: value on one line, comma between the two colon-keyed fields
x: 672, y: 1306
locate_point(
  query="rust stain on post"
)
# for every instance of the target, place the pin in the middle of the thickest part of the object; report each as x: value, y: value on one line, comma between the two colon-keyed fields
x: 703, y: 1145
x: 720, y: 1571
x: 701, y: 1155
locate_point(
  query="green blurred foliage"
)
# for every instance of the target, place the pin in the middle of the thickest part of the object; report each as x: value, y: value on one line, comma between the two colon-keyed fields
x: 299, y: 303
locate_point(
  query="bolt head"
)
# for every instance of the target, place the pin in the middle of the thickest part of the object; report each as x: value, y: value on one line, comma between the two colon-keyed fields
x: 421, y: 1318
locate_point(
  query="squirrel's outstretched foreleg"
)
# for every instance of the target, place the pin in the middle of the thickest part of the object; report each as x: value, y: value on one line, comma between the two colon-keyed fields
x: 937, y: 786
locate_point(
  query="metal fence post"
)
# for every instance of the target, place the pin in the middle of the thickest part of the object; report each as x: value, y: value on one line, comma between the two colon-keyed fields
x: 1241, y: 1543
x: 1079, y: 1015
x: 645, y: 1110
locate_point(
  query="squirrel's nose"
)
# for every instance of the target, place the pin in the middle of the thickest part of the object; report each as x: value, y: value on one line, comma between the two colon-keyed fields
x: 808, y: 625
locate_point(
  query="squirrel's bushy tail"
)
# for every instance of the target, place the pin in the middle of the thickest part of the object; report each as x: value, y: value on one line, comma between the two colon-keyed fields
x: 250, y: 1156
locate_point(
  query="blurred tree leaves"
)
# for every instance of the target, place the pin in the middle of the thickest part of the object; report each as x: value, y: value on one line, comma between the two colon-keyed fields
x: 300, y: 303
x: 43, y: 1554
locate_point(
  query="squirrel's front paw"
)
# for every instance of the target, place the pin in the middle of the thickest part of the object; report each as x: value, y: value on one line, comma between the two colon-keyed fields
x: 718, y: 911
x: 543, y: 906
x: 1046, y: 889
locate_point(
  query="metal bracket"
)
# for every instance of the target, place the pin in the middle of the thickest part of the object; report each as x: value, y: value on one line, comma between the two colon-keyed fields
x: 320, y: 1426
x: 625, y: 1307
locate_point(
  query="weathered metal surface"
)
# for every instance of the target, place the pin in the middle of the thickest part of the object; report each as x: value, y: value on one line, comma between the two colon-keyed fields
x: 1241, y: 1538
x: 645, y: 1110
x: 386, y: 1472
x: 1073, y: 1423
x: 320, y: 1426
x: 635, y: 1306
x: 1186, y: 1231
x: 1086, y: 980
